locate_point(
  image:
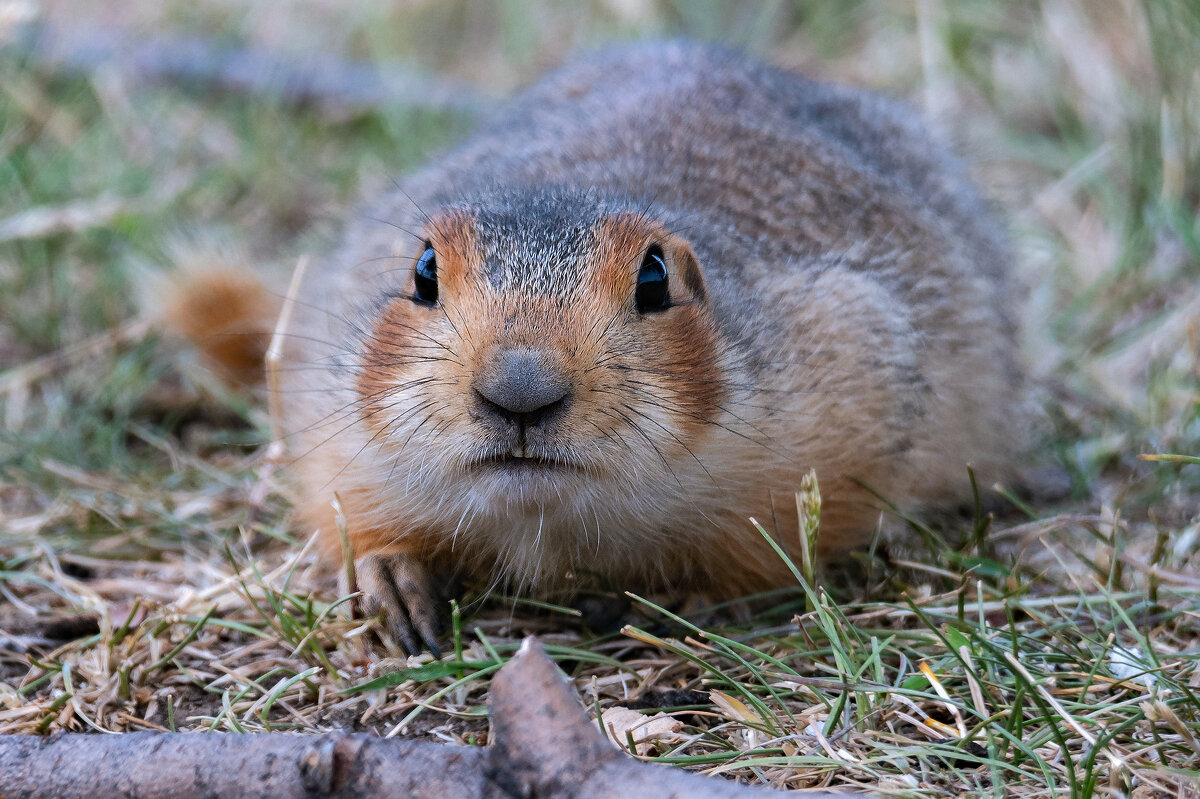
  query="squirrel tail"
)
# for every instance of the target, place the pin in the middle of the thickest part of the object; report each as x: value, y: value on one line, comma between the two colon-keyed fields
x: 227, y: 313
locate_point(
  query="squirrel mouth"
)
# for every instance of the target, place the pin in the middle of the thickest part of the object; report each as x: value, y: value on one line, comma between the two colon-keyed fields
x: 520, y: 457
x: 521, y: 452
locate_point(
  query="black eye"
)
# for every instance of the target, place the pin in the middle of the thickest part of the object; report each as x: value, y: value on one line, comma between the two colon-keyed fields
x: 425, y: 277
x: 651, y: 294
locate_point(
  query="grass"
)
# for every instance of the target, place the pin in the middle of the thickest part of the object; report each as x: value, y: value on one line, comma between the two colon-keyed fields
x: 149, y: 577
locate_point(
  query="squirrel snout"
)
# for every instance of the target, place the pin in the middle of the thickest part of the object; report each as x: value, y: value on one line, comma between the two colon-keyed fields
x: 522, y: 386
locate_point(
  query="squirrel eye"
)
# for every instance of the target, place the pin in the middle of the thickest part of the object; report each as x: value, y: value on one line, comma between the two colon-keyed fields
x: 425, y: 277
x: 651, y: 294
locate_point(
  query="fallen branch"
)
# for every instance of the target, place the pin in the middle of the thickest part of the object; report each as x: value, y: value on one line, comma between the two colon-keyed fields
x: 31, y: 372
x: 142, y: 765
x: 544, y: 745
x: 328, y: 83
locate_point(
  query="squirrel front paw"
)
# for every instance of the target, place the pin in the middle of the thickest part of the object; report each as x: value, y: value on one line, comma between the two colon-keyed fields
x: 401, y: 585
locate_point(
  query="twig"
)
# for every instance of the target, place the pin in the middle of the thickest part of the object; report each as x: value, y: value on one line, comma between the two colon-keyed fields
x: 40, y: 368
x: 544, y: 745
x: 331, y: 84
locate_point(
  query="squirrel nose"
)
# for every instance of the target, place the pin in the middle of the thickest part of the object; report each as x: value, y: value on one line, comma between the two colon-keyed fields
x: 522, y: 385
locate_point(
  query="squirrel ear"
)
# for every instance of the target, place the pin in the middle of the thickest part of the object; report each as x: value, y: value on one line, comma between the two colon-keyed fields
x: 685, y: 265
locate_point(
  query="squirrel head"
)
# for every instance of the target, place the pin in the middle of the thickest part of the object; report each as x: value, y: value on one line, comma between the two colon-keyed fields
x: 544, y: 347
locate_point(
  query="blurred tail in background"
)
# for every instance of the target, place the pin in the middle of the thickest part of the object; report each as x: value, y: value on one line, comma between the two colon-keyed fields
x: 227, y: 313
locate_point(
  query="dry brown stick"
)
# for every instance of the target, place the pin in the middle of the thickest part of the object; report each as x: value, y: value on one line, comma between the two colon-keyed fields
x: 328, y: 83
x: 544, y: 745
x: 40, y: 368
x: 147, y: 765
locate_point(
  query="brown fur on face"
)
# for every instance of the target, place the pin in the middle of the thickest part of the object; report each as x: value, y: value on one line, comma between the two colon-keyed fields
x: 653, y: 378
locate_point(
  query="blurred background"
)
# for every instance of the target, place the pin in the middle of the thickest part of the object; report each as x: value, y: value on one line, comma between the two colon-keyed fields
x: 136, y: 137
x: 137, y: 134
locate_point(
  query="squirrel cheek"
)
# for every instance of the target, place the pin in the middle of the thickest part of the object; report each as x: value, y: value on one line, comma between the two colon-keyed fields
x: 686, y: 370
x: 399, y: 370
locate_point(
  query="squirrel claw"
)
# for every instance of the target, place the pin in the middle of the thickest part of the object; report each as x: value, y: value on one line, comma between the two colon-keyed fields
x: 400, y: 584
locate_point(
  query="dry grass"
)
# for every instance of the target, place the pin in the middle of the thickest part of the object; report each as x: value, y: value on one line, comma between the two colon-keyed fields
x: 149, y: 577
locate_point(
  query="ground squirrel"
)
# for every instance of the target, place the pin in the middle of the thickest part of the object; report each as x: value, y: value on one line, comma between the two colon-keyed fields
x: 631, y: 313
